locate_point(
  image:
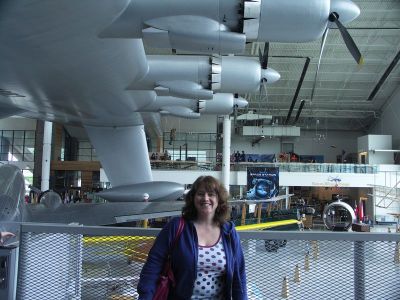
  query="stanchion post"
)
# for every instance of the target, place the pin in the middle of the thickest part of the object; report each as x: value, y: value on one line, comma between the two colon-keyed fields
x: 359, y: 270
x: 285, y: 288
x: 297, y: 278
x: 307, y: 263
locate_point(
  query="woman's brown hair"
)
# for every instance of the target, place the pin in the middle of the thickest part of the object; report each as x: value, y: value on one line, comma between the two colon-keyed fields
x: 209, y: 184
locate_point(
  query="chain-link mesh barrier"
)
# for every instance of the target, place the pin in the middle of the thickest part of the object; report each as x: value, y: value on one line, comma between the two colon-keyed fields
x: 67, y: 262
x: 299, y: 269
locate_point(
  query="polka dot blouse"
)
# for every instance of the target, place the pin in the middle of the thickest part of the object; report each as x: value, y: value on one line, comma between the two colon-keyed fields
x: 211, y: 265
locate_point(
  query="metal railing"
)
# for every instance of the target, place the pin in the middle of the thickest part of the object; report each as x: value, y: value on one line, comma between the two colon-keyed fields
x: 75, y: 262
x: 283, y: 167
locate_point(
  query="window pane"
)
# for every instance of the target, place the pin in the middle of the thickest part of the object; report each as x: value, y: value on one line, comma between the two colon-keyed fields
x: 28, y: 157
x: 18, y: 134
x: 18, y: 142
x: 7, y: 134
x: 30, y: 134
x: 4, y: 149
x: 30, y: 142
x: 29, y: 150
x: 85, y: 152
x: 85, y: 145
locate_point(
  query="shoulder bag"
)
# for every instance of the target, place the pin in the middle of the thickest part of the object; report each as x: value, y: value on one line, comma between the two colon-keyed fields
x: 167, y: 278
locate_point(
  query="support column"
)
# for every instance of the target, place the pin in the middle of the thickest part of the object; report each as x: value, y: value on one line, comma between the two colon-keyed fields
x: 57, y: 141
x: 226, y: 161
x: 287, y: 198
x: 48, y: 128
x: 37, y: 170
x: 359, y: 270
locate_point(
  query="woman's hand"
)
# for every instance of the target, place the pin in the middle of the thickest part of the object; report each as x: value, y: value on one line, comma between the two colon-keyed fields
x: 5, y: 235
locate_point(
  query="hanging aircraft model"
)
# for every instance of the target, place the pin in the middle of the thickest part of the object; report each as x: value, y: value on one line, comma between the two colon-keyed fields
x: 83, y: 63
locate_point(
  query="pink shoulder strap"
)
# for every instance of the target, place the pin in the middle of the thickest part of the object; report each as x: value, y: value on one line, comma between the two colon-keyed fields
x: 178, y: 232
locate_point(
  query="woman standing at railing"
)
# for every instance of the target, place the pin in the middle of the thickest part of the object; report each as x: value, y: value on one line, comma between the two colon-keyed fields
x: 207, y: 258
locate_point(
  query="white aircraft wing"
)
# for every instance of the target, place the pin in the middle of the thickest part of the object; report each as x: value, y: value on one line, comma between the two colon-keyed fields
x: 54, y: 67
x: 13, y: 209
x: 101, y: 213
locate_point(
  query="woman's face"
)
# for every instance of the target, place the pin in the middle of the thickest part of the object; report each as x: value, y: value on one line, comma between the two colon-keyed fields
x: 205, y: 202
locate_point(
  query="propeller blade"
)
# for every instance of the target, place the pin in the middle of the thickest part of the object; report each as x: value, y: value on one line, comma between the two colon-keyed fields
x: 235, y: 113
x: 263, y: 85
x: 264, y: 60
x: 319, y: 62
x: 235, y: 108
x: 348, y: 40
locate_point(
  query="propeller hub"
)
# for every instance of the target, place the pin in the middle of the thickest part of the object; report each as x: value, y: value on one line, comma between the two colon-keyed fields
x: 240, y: 102
x: 333, y: 16
x: 269, y: 75
x: 345, y: 10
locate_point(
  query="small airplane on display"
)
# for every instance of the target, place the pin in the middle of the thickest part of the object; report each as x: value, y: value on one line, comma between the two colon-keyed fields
x: 258, y: 201
x: 336, y: 180
x: 83, y: 63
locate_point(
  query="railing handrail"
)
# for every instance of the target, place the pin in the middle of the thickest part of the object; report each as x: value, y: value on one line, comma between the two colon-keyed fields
x: 279, y: 235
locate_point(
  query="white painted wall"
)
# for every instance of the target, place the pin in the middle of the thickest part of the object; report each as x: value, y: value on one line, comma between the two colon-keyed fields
x: 389, y: 120
x: 17, y: 123
x: 371, y: 142
x: 285, y: 178
x: 306, y: 144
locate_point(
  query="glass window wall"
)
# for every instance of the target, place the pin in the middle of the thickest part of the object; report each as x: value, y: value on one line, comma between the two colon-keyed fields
x: 17, y: 145
x: 200, y: 147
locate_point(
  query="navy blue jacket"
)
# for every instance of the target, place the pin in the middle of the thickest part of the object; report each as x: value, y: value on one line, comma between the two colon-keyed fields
x: 184, y: 262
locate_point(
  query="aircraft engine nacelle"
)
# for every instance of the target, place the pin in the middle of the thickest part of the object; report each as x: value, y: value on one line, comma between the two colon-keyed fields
x: 203, y: 26
x: 244, y: 74
x: 198, y: 77
x: 221, y: 104
x: 224, y: 26
x: 292, y: 20
x: 216, y: 40
x: 180, y: 111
